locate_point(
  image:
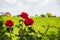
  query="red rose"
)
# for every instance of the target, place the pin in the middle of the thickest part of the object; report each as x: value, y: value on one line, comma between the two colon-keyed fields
x: 9, y: 23
x: 24, y: 15
x: 28, y: 21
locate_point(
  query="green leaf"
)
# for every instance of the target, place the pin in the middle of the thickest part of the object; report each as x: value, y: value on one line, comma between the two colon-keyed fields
x: 30, y: 29
x: 18, y: 26
x: 8, y: 29
x: 1, y: 22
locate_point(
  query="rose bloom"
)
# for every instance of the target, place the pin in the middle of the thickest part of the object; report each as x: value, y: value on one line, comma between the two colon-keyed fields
x: 24, y: 15
x: 28, y: 21
x: 9, y: 23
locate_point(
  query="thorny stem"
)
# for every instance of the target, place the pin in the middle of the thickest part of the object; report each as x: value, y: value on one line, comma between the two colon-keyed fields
x: 10, y: 35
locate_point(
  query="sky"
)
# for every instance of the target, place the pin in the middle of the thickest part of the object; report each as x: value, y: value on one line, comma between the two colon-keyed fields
x: 32, y: 7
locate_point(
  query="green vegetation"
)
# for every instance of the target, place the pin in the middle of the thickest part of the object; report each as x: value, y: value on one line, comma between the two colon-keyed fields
x: 40, y: 25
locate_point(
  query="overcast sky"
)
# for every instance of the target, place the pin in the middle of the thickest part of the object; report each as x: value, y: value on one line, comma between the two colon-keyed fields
x: 32, y: 7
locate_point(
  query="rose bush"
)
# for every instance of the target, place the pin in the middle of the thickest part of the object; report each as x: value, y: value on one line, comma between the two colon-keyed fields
x: 9, y: 29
